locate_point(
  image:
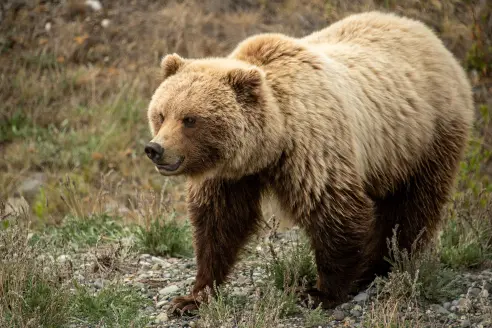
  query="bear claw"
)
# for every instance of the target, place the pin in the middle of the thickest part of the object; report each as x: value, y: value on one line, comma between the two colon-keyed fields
x: 183, y: 304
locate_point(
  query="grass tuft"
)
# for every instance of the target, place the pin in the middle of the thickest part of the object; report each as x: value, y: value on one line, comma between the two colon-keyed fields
x: 165, y: 237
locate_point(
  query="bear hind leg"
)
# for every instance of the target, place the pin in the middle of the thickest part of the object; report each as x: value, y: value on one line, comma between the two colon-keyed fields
x: 418, y: 205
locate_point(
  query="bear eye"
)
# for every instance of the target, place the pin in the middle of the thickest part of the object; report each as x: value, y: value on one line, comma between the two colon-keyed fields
x: 189, y: 122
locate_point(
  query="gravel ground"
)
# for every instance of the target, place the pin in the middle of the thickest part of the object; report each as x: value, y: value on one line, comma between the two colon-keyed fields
x: 161, y: 279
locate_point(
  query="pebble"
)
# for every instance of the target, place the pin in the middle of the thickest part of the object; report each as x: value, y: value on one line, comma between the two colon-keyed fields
x: 474, y: 291
x: 439, y: 309
x: 465, y: 323
x: 361, y: 297
x: 161, y: 304
x: 158, y: 260
x: 105, y: 23
x: 346, y: 306
x: 446, y: 305
x: 98, y: 283
x: 168, y: 290
x: 94, y: 4
x: 339, y: 315
x: 162, y: 317
x: 355, y: 313
x: 63, y: 258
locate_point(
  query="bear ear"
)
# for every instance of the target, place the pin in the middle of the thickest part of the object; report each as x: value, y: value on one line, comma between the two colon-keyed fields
x: 170, y: 64
x: 246, y: 82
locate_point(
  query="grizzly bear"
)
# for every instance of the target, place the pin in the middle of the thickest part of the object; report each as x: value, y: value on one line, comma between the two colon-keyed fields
x: 355, y: 128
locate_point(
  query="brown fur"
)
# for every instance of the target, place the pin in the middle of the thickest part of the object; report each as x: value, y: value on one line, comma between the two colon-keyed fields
x: 354, y: 128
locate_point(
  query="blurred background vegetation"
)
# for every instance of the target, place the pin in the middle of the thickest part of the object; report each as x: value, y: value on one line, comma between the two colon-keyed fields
x: 76, y: 77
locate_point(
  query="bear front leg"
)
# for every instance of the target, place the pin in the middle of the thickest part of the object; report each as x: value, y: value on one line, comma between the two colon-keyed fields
x: 341, y: 231
x: 223, y: 214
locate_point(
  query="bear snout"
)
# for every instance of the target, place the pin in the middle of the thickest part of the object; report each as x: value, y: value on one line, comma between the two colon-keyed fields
x: 154, y: 151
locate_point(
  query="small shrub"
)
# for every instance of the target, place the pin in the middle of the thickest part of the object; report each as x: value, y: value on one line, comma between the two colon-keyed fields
x: 165, y: 237
x: 421, y: 275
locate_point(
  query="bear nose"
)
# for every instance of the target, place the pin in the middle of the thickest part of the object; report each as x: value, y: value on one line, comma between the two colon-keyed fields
x: 154, y: 151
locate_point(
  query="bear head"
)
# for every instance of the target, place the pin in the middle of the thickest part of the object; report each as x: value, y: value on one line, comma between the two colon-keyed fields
x: 213, y: 116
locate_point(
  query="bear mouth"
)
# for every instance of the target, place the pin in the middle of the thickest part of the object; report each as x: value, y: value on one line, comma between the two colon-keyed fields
x: 170, y: 167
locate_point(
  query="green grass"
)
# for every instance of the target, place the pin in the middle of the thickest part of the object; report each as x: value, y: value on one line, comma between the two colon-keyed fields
x: 113, y: 306
x: 165, y: 237
x: 466, y: 240
x: 76, y: 232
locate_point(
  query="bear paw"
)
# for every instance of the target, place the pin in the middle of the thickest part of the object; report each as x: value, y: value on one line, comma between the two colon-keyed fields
x: 183, y: 304
x: 313, y: 297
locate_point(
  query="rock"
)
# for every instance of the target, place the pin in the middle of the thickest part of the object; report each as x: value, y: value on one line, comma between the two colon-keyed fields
x: 346, y: 306
x: 465, y: 323
x: 453, y: 308
x: 63, y: 259
x: 168, y: 290
x: 361, y: 297
x: 463, y: 305
x: 338, y: 315
x: 161, y: 304
x: 446, y: 305
x: 455, y: 302
x: 439, y: 309
x: 31, y: 186
x: 474, y: 291
x: 94, y: 4
x: 158, y: 260
x: 162, y: 317
x: 98, y: 283
x: 105, y: 23
x: 355, y: 313
x: 156, y: 267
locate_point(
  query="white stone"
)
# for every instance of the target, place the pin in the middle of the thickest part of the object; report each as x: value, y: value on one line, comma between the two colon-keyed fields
x: 105, y: 23
x: 168, y: 290
x: 94, y: 4
x: 161, y: 318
